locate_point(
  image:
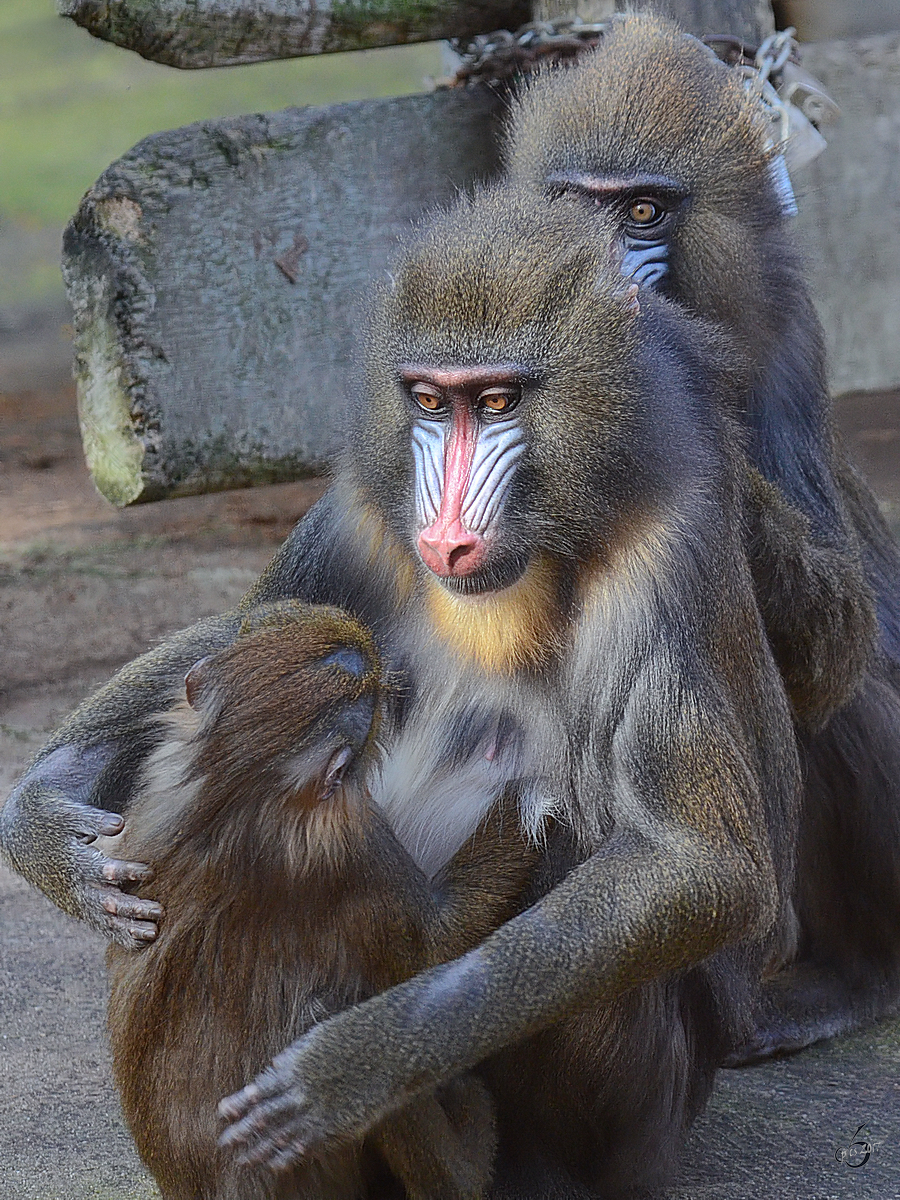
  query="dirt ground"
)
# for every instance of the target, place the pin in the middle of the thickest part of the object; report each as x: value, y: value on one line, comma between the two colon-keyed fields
x: 84, y: 588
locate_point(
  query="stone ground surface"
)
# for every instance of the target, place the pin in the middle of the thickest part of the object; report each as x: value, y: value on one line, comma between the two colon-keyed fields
x: 83, y: 589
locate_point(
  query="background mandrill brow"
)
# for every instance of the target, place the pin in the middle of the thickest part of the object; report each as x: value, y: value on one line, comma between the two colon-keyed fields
x: 288, y: 898
x: 655, y: 134
x: 603, y: 653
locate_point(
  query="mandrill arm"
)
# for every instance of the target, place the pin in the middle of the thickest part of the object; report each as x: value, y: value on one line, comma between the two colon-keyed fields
x: 683, y: 875
x: 82, y: 780
x: 817, y: 607
x: 79, y: 783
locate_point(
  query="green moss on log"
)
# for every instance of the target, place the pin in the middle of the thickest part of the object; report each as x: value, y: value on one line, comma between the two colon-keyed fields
x: 114, y: 453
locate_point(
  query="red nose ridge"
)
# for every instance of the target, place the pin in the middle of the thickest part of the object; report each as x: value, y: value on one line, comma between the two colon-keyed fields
x: 450, y: 550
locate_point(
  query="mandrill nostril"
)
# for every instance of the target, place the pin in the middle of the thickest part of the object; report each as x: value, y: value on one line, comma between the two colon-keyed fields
x: 457, y: 554
x: 451, y: 550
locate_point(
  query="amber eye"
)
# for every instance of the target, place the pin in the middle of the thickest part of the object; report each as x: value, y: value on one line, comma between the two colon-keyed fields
x: 426, y: 397
x: 498, y: 400
x: 645, y: 212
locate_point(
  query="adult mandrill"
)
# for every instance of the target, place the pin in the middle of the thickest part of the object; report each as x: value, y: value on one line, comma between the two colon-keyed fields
x: 564, y: 566
x: 653, y: 133
x: 289, y: 899
x: 539, y: 517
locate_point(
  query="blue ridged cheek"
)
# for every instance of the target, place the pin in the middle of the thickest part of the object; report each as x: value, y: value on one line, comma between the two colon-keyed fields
x: 645, y: 262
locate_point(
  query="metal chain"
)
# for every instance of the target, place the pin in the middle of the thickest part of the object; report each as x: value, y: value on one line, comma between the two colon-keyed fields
x: 761, y: 78
x: 498, y: 57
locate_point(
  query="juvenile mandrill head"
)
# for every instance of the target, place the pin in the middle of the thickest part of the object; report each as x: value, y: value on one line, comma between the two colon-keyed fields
x: 507, y: 421
x: 293, y: 701
x: 654, y: 133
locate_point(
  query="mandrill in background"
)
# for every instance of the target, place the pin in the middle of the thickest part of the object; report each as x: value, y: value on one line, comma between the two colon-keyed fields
x: 655, y: 137
x: 288, y: 898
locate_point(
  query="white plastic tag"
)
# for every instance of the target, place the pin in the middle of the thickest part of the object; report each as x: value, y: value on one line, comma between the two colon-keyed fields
x: 804, y: 143
x: 783, y: 186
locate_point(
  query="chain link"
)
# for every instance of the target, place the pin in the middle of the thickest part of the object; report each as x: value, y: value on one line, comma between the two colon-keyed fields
x: 498, y: 56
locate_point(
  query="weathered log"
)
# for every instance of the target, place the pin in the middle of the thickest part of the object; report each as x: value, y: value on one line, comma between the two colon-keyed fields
x: 217, y: 273
x: 222, y: 33
x: 219, y: 33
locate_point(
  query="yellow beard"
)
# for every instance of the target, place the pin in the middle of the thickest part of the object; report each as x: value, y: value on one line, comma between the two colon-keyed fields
x: 500, y: 631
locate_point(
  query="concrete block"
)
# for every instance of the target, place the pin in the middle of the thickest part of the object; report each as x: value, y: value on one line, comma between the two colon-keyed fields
x: 850, y: 212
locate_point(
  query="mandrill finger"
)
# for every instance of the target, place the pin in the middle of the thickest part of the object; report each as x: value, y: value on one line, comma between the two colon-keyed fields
x: 276, y: 1151
x: 131, y: 921
x: 108, y: 824
x: 116, y: 871
x: 131, y: 935
x: 269, y: 1127
x: 134, y: 932
x: 236, y: 1106
x: 133, y: 908
x: 287, y: 1157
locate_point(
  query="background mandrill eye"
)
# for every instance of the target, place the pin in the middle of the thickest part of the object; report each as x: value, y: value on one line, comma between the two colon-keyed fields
x: 427, y: 397
x: 498, y: 400
x: 645, y: 212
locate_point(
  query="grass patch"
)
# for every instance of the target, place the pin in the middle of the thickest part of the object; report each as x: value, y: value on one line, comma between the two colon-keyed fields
x: 70, y: 104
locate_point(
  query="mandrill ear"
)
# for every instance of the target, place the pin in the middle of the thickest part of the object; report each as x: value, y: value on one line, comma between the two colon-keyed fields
x: 334, y: 772
x: 194, y: 681
x: 629, y: 298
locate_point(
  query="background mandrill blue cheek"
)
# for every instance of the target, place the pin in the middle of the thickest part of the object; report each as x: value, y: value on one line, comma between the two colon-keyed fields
x: 646, y: 262
x: 646, y: 208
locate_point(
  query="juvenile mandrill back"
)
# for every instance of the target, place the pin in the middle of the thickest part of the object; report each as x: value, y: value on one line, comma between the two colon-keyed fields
x: 287, y: 898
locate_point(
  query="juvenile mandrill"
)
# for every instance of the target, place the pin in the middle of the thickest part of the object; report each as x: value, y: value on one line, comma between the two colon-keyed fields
x: 653, y: 133
x: 540, y: 518
x: 288, y: 898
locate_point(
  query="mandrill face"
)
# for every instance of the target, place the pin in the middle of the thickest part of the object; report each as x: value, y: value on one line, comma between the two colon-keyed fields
x: 467, y: 442
x: 505, y: 394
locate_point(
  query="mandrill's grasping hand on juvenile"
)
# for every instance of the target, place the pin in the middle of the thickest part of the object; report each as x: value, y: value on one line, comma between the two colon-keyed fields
x: 85, y: 882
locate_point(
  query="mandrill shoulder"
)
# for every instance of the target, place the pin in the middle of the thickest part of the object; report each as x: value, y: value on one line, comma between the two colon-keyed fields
x: 342, y: 553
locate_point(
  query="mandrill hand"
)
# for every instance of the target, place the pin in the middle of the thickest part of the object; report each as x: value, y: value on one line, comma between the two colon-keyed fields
x: 46, y: 822
x: 346, y: 1074
x: 324, y: 1086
